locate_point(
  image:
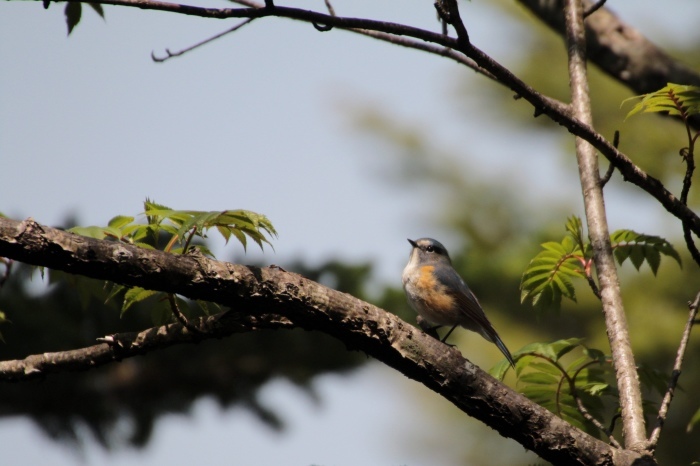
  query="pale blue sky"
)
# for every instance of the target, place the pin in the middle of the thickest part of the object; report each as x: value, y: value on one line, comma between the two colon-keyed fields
x: 258, y: 120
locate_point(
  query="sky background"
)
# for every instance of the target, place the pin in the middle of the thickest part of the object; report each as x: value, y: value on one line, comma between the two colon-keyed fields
x: 262, y: 120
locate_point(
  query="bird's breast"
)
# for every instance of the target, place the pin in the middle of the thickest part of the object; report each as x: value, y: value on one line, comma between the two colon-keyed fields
x: 429, y: 297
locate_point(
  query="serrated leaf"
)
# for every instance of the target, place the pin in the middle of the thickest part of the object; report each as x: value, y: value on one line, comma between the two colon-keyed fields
x: 546, y: 367
x: 539, y: 378
x: 543, y: 349
x: 563, y: 347
x: 546, y: 279
x: 577, y: 363
x: 522, y: 361
x: 540, y: 394
x: 673, y: 99
x: 594, y: 389
x: 653, y: 379
x: 640, y: 248
x: 595, y: 354
x: 575, y: 228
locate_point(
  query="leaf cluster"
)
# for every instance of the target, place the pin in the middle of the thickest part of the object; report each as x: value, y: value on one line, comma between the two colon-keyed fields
x: 548, y: 277
x: 174, y: 231
x: 672, y: 99
x: 577, y: 389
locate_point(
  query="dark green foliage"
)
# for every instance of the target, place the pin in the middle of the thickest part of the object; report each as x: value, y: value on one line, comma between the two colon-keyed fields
x: 559, y: 384
x: 641, y: 248
x: 74, y: 10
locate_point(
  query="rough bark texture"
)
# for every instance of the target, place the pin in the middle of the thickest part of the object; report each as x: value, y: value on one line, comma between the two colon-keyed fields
x: 274, y: 298
x: 596, y: 218
x: 619, y: 49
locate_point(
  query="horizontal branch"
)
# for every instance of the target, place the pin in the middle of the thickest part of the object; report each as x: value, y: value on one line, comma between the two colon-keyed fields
x: 126, y: 345
x: 292, y: 300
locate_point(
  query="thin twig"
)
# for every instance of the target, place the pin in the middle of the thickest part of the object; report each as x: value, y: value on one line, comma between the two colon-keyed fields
x: 181, y: 317
x: 614, y: 419
x: 584, y: 411
x: 170, y: 54
x: 688, y: 155
x: 574, y: 393
x: 611, y: 168
x: 425, y: 47
x: 666, y: 402
x: 448, y: 11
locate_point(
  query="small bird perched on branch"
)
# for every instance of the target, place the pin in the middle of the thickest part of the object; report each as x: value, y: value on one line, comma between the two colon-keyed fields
x: 439, y: 295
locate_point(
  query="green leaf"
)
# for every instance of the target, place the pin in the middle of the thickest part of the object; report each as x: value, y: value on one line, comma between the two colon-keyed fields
x: 539, y: 378
x: 595, y: 389
x: 546, y: 279
x: 672, y: 99
x: 120, y: 221
x: 135, y: 295
x: 116, y: 289
x: 595, y: 354
x: 546, y: 367
x: 653, y: 379
x: 98, y: 9
x: 90, y: 232
x: 575, y: 229
x: 209, y: 308
x: 498, y: 371
x: 562, y: 347
x: 541, y: 394
x: 640, y: 248
x: 73, y: 12
x: 693, y: 421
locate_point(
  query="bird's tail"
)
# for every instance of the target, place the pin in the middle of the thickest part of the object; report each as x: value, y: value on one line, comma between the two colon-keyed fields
x: 491, y: 335
x: 504, y: 350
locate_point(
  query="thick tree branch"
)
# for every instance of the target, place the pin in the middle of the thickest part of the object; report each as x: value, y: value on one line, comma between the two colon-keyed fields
x: 619, y: 49
x: 615, y: 320
x: 289, y: 298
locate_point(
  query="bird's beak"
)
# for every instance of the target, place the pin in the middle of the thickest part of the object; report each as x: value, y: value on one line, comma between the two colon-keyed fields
x: 413, y: 243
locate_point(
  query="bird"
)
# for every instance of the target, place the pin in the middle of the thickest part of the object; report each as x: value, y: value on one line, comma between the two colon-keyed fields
x: 440, y: 296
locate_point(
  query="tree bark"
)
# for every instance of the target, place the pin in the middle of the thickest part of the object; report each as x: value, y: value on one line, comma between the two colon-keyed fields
x: 620, y: 50
x: 272, y: 297
x: 606, y: 270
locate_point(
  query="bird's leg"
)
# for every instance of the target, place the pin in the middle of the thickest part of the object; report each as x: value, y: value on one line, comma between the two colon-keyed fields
x: 449, y: 333
x: 428, y: 328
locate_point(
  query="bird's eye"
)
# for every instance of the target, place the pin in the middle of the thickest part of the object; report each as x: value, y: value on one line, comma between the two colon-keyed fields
x: 430, y: 248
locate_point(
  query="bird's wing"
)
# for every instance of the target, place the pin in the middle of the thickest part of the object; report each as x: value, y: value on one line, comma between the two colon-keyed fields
x: 475, y: 318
